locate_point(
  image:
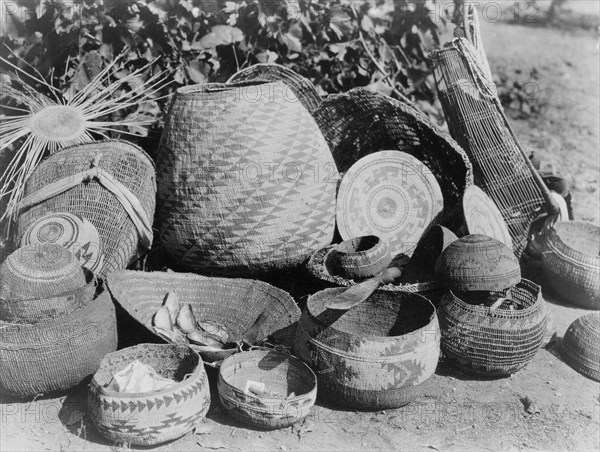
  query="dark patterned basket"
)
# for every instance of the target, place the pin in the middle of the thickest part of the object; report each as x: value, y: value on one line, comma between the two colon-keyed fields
x: 580, y: 346
x: 150, y: 418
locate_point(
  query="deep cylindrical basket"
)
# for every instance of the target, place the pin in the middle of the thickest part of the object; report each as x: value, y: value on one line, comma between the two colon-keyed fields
x: 359, y: 257
x: 155, y: 417
x: 56, y: 354
x: 493, y: 342
x: 376, y: 356
x: 290, y: 388
x: 109, y: 183
x: 580, y: 346
x: 246, y: 184
x: 571, y: 262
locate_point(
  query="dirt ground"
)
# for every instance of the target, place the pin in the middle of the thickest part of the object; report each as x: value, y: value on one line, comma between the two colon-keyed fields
x: 457, y: 411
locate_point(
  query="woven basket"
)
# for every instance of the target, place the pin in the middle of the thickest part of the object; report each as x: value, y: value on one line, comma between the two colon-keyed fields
x: 291, y: 383
x: 359, y: 258
x: 59, y: 353
x: 246, y: 182
x: 580, y: 346
x: 155, y: 417
x: 303, y: 89
x: 122, y: 214
x: 233, y: 303
x: 360, y: 122
x: 571, y: 262
x: 478, y: 262
x: 493, y: 342
x: 374, y: 356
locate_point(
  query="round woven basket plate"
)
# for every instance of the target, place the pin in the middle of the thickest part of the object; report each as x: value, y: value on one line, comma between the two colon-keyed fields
x: 483, y: 217
x: 390, y: 194
x: 73, y: 232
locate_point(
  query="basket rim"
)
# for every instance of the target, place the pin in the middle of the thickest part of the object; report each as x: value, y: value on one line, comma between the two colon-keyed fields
x: 219, y: 87
x: 557, y: 245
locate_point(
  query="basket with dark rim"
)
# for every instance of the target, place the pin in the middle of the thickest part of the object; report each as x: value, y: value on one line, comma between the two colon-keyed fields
x: 155, y: 417
x: 110, y: 183
x: 360, y: 122
x: 493, y: 341
x: 290, y: 388
x: 235, y: 304
x: 580, y: 347
x: 359, y: 257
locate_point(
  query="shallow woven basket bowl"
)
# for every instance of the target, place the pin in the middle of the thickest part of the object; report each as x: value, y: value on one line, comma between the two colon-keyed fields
x: 127, y: 164
x: 359, y: 257
x: 42, y: 281
x: 56, y: 354
x: 478, y: 262
x: 150, y: 418
x: 377, y: 355
x: 281, y: 374
x: 493, y: 342
x: 233, y: 303
x: 580, y: 346
x: 571, y: 262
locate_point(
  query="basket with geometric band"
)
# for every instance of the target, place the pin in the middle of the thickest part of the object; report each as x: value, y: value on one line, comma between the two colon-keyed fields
x: 155, y: 417
x: 109, y: 183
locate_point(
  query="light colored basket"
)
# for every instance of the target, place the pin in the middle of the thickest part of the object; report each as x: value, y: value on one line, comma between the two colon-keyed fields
x: 124, y: 222
x: 246, y: 184
x: 281, y: 374
x: 376, y: 356
x: 571, y: 262
x: 580, y: 346
x: 150, y: 418
x: 359, y: 257
x: 57, y: 354
x: 493, y: 342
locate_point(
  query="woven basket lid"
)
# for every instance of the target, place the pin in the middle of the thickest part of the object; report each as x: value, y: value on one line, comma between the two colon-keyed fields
x: 478, y: 262
x: 581, y: 345
x: 38, y: 271
x: 73, y: 232
x: 482, y: 216
x: 392, y: 195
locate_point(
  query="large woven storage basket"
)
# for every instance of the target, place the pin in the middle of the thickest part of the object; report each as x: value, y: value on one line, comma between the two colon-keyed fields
x: 493, y: 342
x: 375, y: 356
x: 110, y: 183
x: 360, y: 122
x: 246, y: 183
x: 150, y: 418
x: 59, y: 353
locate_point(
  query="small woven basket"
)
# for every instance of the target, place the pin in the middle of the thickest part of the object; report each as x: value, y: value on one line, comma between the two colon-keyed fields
x: 109, y: 183
x: 377, y: 355
x: 290, y: 388
x: 580, y: 346
x: 57, y: 354
x: 150, y: 418
x: 359, y: 258
x: 493, y: 342
x: 571, y: 262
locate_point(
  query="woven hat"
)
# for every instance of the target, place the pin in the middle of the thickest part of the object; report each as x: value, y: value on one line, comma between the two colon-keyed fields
x: 478, y: 262
x: 71, y: 231
x: 580, y: 346
x: 392, y: 195
x: 483, y: 217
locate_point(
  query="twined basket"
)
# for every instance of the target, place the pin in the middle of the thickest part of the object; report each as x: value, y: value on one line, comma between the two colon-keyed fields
x: 580, y: 346
x: 571, y: 262
x: 360, y: 122
x: 56, y: 354
x: 246, y: 184
x: 155, y: 417
x: 494, y: 342
x: 290, y: 388
x: 378, y: 355
x: 110, y: 183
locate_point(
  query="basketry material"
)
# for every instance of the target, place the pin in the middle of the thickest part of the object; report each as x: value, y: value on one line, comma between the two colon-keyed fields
x: 246, y: 184
x: 360, y: 122
x: 493, y: 342
x: 150, y: 418
x: 580, y: 346
x: 375, y: 356
x: 56, y: 354
x: 359, y: 257
x: 110, y: 183
x: 281, y: 374
x: 571, y: 262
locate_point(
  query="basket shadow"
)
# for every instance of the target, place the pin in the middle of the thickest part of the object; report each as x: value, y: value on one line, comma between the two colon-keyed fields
x: 447, y: 368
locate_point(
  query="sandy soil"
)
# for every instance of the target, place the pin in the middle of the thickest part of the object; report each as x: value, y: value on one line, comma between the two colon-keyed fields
x: 458, y: 411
